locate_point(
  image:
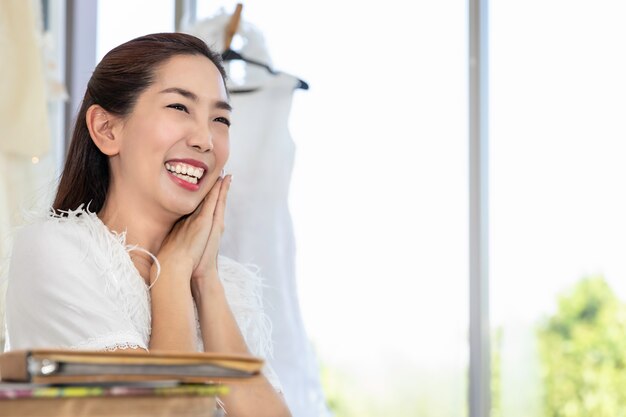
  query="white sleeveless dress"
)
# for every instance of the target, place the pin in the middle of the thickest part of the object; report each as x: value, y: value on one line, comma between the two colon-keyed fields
x: 258, y: 222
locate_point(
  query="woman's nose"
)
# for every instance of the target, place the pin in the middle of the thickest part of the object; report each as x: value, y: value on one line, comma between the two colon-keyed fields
x: 202, y: 140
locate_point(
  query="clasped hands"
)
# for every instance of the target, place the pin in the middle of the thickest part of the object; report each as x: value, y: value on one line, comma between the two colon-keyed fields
x: 195, y: 239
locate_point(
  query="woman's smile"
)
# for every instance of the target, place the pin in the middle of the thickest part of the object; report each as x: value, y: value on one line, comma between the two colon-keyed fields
x: 187, y: 173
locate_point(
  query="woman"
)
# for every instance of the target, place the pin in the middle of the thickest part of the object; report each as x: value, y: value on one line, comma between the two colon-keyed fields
x: 129, y: 256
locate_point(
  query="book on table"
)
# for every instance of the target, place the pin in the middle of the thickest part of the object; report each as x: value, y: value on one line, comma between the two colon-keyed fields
x: 53, y: 383
x: 70, y: 366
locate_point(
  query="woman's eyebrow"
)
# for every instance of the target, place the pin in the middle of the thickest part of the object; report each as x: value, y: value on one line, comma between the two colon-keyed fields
x: 220, y: 104
x: 223, y: 105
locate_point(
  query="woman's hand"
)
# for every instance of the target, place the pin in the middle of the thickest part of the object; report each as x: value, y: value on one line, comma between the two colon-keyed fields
x: 195, y: 239
x: 207, y: 266
x: 189, y: 250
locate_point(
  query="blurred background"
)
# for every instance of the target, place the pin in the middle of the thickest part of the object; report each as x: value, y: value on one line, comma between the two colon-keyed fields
x: 379, y: 191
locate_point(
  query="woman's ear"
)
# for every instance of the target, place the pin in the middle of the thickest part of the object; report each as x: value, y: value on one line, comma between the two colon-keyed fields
x: 100, y: 124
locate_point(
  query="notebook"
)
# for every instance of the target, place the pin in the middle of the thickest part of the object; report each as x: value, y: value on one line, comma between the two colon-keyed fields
x: 57, y: 366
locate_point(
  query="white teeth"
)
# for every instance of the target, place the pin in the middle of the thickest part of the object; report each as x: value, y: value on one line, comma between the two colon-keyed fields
x: 184, y: 170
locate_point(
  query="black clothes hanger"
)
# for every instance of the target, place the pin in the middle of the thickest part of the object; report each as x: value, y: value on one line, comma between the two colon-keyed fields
x: 230, y: 55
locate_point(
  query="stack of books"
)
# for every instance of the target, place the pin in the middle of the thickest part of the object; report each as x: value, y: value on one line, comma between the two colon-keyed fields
x: 51, y: 383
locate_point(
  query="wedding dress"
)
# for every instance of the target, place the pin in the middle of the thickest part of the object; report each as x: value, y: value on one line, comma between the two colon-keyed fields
x: 259, y: 229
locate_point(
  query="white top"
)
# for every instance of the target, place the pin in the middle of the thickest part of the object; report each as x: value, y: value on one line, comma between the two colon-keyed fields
x: 72, y: 284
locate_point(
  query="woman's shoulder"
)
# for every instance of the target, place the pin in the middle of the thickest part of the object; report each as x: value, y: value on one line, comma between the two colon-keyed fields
x: 51, y: 232
x: 48, y: 245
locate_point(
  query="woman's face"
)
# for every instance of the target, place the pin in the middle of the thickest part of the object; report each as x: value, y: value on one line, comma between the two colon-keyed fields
x: 174, y: 144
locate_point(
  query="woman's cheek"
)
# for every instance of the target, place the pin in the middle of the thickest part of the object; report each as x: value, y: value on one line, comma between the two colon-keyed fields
x: 222, y: 154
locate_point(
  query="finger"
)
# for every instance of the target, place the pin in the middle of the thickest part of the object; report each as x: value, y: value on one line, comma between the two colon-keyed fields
x: 208, y: 203
x: 214, y: 195
x: 202, y: 204
x: 220, y: 208
x: 201, y: 220
x: 217, y: 227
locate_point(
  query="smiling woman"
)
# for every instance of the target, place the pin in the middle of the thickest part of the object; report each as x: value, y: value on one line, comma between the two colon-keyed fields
x: 144, y: 175
x: 180, y: 120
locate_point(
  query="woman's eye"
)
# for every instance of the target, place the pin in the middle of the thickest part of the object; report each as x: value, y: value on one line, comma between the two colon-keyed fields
x: 223, y: 120
x: 179, y: 107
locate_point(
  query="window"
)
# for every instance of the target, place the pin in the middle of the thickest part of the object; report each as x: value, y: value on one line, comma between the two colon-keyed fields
x: 557, y: 207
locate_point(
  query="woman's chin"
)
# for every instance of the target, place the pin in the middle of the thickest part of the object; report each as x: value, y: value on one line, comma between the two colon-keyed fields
x: 180, y: 209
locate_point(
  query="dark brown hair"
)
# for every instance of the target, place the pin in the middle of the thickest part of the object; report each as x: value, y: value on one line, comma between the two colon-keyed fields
x: 116, y: 83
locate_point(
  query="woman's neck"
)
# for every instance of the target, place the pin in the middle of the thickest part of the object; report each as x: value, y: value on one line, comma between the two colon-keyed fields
x: 142, y: 227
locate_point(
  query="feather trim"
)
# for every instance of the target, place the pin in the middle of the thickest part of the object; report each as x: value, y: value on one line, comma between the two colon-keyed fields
x: 244, y: 292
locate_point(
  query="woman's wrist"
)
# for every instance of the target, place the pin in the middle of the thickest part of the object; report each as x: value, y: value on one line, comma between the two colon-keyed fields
x: 181, y: 264
x: 207, y: 285
x: 176, y: 273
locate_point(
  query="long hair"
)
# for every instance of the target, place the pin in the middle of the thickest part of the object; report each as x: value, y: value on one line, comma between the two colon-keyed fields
x: 116, y: 83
